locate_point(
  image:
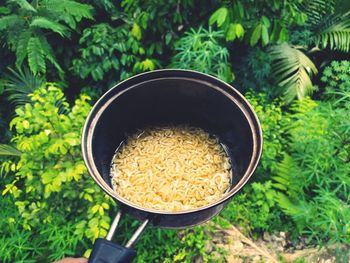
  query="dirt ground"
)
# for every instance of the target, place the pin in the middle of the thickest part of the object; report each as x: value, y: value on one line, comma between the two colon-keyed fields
x: 271, y: 248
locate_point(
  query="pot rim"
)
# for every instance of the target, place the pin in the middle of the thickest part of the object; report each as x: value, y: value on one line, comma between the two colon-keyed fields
x: 92, y: 118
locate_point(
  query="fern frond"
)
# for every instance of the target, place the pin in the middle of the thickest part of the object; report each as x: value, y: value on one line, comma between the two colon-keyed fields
x: 45, y: 23
x: 316, y: 10
x: 9, y: 150
x: 50, y: 54
x: 18, y: 84
x: 287, y: 175
x: 21, y: 47
x: 36, y: 56
x: 301, y: 108
x: 334, y: 33
x: 292, y: 70
x: 72, y: 8
x: 9, y: 21
x: 300, y: 211
x: 25, y: 5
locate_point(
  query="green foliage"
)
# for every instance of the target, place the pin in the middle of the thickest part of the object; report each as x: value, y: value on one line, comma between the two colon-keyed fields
x: 161, y: 22
x: 110, y: 53
x: 273, y: 124
x: 334, y: 32
x: 331, y: 26
x: 9, y: 150
x: 292, y: 70
x: 177, y: 246
x: 336, y: 79
x: 313, y: 176
x: 258, y: 21
x: 16, y: 243
x: 27, y: 25
x: 255, y: 209
x: 50, y: 171
x: 18, y: 84
x: 201, y: 50
x: 325, y: 29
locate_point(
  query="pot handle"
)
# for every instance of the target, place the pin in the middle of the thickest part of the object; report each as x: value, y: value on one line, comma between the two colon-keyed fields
x: 105, y: 251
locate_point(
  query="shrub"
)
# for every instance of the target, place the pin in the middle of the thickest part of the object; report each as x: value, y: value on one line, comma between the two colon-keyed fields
x: 111, y: 54
x: 52, y: 191
x: 313, y: 177
x: 201, y: 50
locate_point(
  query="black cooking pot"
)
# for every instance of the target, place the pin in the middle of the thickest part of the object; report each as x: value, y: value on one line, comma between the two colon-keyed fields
x: 168, y: 97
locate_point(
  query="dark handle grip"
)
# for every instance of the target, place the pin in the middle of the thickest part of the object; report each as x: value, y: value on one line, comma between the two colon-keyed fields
x: 105, y: 251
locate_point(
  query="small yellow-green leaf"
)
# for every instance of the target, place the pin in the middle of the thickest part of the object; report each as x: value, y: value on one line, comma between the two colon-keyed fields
x: 25, y: 124
x: 104, y: 224
x: 148, y: 64
x: 219, y: 16
x: 239, y: 31
x: 87, y: 253
x: 101, y: 211
x: 105, y: 205
x: 136, y: 31
x: 231, y: 33
x: 94, y: 209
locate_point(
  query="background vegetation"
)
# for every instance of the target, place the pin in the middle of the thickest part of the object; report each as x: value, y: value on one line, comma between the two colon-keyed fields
x: 291, y: 59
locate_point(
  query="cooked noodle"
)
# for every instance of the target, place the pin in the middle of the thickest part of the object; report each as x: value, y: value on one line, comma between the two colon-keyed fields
x: 171, y: 168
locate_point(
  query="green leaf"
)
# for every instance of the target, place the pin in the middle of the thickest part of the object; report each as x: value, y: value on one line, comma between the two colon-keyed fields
x: 292, y: 70
x: 336, y: 33
x: 265, y: 21
x: 264, y: 35
x: 283, y: 36
x: 45, y: 23
x: 168, y: 37
x: 25, y: 5
x: 49, y: 54
x: 275, y: 34
x: 9, y: 150
x: 231, y: 33
x: 255, y: 35
x: 238, y: 11
x: 21, y: 48
x: 72, y: 8
x: 239, y: 31
x: 219, y: 16
x: 136, y: 31
x: 9, y: 21
x: 4, y: 10
x: 36, y: 58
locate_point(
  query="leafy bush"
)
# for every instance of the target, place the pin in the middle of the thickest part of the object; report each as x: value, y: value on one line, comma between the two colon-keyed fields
x: 318, y: 25
x: 336, y: 79
x: 52, y: 191
x: 201, y: 50
x: 313, y: 176
x: 26, y: 26
x: 110, y: 54
x: 255, y: 209
x: 161, y: 23
x: 256, y: 21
